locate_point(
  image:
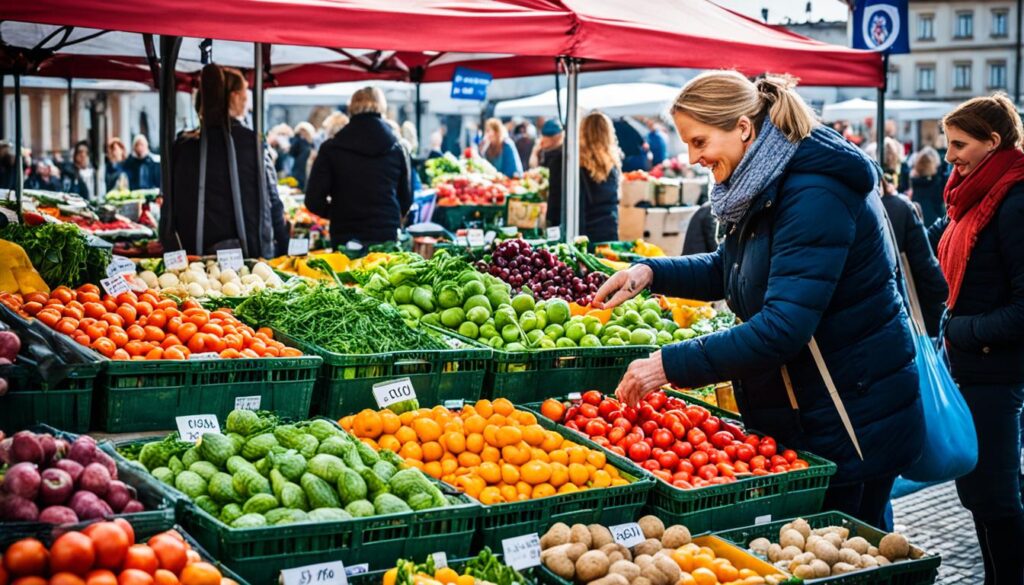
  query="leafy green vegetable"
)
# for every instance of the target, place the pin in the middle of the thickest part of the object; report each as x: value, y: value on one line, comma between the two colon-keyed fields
x: 61, y: 253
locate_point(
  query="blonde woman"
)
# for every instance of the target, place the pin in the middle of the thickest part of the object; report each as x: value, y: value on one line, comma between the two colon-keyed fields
x: 927, y: 181
x: 806, y: 257
x: 600, y: 179
x: 499, y: 150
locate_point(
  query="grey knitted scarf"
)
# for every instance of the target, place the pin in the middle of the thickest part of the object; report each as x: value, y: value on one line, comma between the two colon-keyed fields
x: 762, y: 164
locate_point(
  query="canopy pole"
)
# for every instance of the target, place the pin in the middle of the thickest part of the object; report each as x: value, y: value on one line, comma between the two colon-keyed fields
x: 257, y: 92
x: 419, y: 117
x: 71, y: 115
x: 3, y: 108
x: 571, y: 193
x: 19, y: 171
x: 880, y: 118
x: 169, y: 47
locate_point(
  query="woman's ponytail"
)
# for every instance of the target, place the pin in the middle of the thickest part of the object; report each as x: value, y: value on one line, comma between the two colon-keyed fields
x: 786, y: 109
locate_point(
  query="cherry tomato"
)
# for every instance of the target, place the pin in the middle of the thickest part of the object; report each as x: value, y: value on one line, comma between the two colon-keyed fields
x: 696, y: 437
x: 639, y: 451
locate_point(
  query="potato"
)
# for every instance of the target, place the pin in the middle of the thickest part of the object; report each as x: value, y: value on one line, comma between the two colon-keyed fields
x: 873, y: 551
x: 555, y: 550
x: 801, y: 526
x: 667, y: 566
x: 652, y: 526
x: 792, y: 537
x: 789, y: 553
x: 835, y: 539
x: 676, y: 536
x: 858, y: 544
x: 801, y: 559
x: 654, y: 575
x: 643, y: 560
x: 592, y: 565
x: 774, y: 579
x: 614, y: 548
x: 556, y: 535
x: 625, y: 568
x: 882, y: 561
x: 824, y: 550
x: 821, y: 568
x: 842, y: 568
x: 804, y: 572
x: 611, y: 579
x: 647, y: 547
x: 811, y: 540
x: 785, y: 527
x: 849, y: 556
x: 774, y: 552
x: 641, y: 581
x: 580, y: 533
x: 893, y: 546
x: 575, y: 550
x: 759, y: 546
x: 561, y: 566
x: 599, y: 536
x: 867, y: 562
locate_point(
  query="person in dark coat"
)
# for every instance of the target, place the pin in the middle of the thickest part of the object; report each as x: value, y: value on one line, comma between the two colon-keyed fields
x: 702, y: 232
x: 301, y: 148
x: 981, y: 251
x: 361, y: 178
x: 548, y: 153
x: 634, y: 148
x: 499, y: 150
x: 912, y: 240
x: 116, y: 153
x: 80, y: 176
x: 806, y: 265
x: 927, y: 182
x: 44, y: 177
x: 142, y: 168
x: 657, y: 142
x: 247, y: 222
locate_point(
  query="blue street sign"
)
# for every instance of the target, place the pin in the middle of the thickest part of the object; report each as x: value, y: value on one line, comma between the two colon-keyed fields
x: 468, y: 84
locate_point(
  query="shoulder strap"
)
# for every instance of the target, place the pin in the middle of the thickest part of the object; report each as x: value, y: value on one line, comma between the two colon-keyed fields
x: 833, y: 393
x: 236, y: 192
x: 201, y: 197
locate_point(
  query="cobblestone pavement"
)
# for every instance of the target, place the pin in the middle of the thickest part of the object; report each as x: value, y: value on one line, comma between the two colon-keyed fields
x: 929, y: 518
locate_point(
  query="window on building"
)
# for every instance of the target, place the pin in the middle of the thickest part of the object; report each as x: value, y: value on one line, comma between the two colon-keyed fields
x: 893, y: 81
x: 926, y: 78
x: 964, y: 25
x: 999, y: 23
x: 997, y: 75
x: 962, y: 76
x: 926, y: 27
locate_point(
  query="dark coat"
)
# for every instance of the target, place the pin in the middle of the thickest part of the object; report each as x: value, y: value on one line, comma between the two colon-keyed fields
x: 361, y: 182
x: 143, y: 173
x: 984, y: 332
x: 702, y: 232
x: 912, y: 240
x: 300, y: 151
x: 599, y: 202
x: 809, y: 258
x: 178, y: 228
x: 112, y: 174
x: 927, y: 192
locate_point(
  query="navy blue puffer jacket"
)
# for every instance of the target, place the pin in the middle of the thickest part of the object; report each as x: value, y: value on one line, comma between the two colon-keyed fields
x: 809, y: 258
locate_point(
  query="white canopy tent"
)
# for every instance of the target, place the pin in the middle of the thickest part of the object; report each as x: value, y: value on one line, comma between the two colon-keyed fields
x: 615, y: 99
x: 905, y: 110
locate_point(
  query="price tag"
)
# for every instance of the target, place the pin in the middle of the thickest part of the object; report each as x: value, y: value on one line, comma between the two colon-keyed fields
x: 490, y: 235
x: 555, y: 233
x: 456, y: 404
x: 190, y: 428
x: 353, y: 246
x: 628, y: 535
x: 120, y: 265
x: 331, y: 573
x: 388, y: 393
x: 206, y: 355
x: 440, y: 560
x: 176, y: 260
x: 762, y: 519
x: 357, y: 569
x: 574, y: 396
x: 476, y: 237
x: 461, y: 241
x: 522, y: 552
x: 248, y: 402
x: 115, y: 285
x: 298, y: 246
x: 230, y: 259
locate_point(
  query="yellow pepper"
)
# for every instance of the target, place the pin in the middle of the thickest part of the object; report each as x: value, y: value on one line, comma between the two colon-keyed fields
x: 16, y: 271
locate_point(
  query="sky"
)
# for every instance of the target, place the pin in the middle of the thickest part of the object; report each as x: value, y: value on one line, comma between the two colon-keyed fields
x: 795, y: 10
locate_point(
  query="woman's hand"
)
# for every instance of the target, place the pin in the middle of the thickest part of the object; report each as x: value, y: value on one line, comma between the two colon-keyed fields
x: 623, y: 285
x: 642, y: 377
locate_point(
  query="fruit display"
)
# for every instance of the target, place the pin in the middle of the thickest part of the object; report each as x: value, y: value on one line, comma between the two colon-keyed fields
x: 48, y: 479
x: 542, y: 271
x: 492, y: 451
x: 683, y: 445
x: 203, y: 280
x: 106, y: 553
x: 263, y: 473
x: 471, y: 189
x: 483, y: 568
x: 817, y: 553
x: 146, y: 326
x: 10, y: 345
x: 589, y: 554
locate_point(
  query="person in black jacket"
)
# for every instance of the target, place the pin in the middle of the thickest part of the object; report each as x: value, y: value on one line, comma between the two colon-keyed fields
x: 927, y: 182
x: 702, y: 232
x: 981, y: 251
x: 80, y: 176
x: 301, y: 149
x: 361, y: 179
x: 142, y: 168
x: 246, y: 217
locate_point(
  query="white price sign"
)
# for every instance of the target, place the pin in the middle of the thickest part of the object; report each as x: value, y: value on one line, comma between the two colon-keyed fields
x: 628, y: 535
x: 555, y: 233
x: 574, y: 396
x: 330, y: 573
x: 230, y: 259
x: 461, y: 241
x: 191, y: 428
x: 522, y: 552
x: 176, y: 260
x: 475, y: 237
x: 115, y: 285
x: 120, y: 265
x: 454, y: 404
x: 206, y: 355
x: 357, y: 569
x: 440, y: 560
x: 762, y: 519
x: 298, y: 246
x: 388, y: 393
x: 248, y: 402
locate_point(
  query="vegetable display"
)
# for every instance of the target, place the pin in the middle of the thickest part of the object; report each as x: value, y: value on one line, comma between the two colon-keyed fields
x: 61, y: 253
x: 106, y: 553
x: 683, y: 445
x: 147, y: 326
x: 17, y: 275
x: 484, y: 567
x: 261, y: 473
x: 207, y: 280
x: 51, y: 480
x: 493, y: 451
x: 543, y: 272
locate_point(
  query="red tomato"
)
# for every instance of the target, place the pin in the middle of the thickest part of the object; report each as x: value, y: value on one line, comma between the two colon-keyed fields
x: 592, y: 397
x: 711, y: 425
x: 649, y: 427
x: 662, y: 475
x: 752, y: 440
x: 663, y: 438
x: 629, y: 413
x: 678, y: 429
x: 790, y: 455
x: 651, y: 465
x: 696, y: 414
x: 685, y: 466
x: 682, y: 484
x: 657, y: 399
x: 699, y: 459
x: 639, y: 451
x: 596, y: 428
x: 646, y: 412
x: 682, y: 449
x: 730, y: 450
x: 744, y: 452
x: 758, y: 462
x: 607, y: 407
x: 616, y: 434
x: 617, y: 450
x: 668, y: 460
x: 724, y: 469
x: 588, y: 410
x: 572, y: 425
x: 623, y: 423
x: 721, y: 438
x: 777, y: 460
x: 696, y: 437
x: 708, y: 471
x: 766, y: 449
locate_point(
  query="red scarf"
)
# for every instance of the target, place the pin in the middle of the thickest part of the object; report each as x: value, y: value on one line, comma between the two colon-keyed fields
x: 971, y: 202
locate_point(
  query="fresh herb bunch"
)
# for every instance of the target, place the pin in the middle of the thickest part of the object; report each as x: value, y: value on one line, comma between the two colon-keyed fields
x: 60, y: 252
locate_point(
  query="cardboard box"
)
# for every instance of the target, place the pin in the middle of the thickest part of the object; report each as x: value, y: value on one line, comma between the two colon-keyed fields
x: 693, y: 189
x: 635, y: 192
x: 631, y: 222
x: 678, y: 218
x: 526, y: 215
x: 669, y: 192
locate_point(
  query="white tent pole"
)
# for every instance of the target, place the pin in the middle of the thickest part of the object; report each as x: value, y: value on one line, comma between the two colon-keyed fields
x: 571, y: 192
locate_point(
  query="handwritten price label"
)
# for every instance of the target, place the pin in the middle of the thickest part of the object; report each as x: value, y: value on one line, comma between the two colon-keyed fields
x: 628, y: 535
x: 388, y: 393
x: 357, y: 569
x: 331, y: 573
x: 176, y: 260
x: 298, y: 246
x: 230, y: 259
x: 191, y: 428
x: 120, y: 265
x: 475, y: 237
x: 454, y: 404
x: 115, y: 285
x: 522, y: 552
x: 206, y: 355
x: 440, y: 560
x: 248, y: 402
x: 555, y: 233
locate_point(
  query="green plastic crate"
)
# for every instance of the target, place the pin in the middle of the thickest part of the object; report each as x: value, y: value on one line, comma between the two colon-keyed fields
x: 345, y: 382
x: 608, y: 506
x: 148, y: 395
x: 29, y: 399
x: 921, y: 571
x: 377, y: 577
x: 456, y: 217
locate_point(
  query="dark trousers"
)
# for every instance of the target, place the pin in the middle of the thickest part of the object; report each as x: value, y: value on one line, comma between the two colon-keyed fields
x: 865, y: 501
x: 992, y: 492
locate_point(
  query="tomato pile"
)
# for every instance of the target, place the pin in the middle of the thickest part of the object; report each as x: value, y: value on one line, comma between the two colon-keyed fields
x: 105, y: 553
x: 146, y: 326
x: 683, y: 445
x: 470, y: 190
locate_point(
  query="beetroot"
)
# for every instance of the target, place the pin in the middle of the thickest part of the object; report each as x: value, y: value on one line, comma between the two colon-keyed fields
x: 49, y: 446
x: 119, y: 494
x: 26, y: 447
x: 106, y: 461
x: 89, y: 509
x: 133, y: 507
x: 56, y: 487
x: 5, y: 451
x: 10, y: 345
x: 95, y: 478
x: 73, y: 468
x: 18, y: 509
x: 80, y: 497
x: 83, y: 450
x: 58, y: 515
x: 23, y: 480
x: 62, y: 448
